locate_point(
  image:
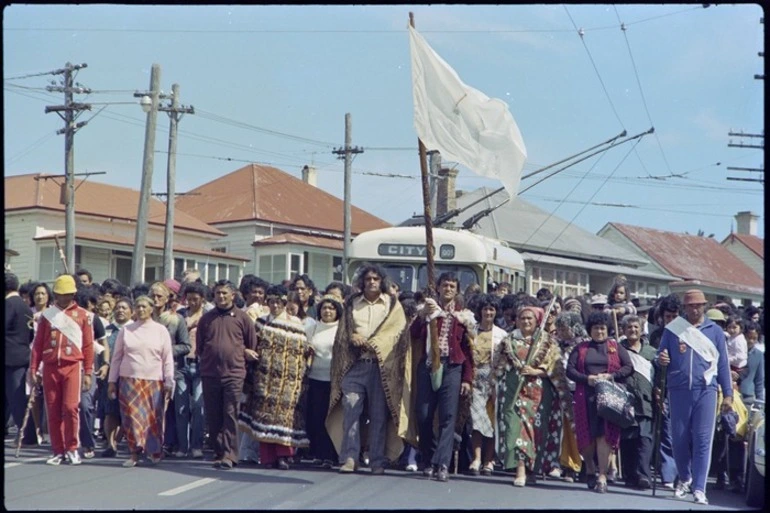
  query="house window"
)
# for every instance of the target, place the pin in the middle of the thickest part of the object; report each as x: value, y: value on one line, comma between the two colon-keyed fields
x: 305, y: 262
x: 272, y: 268
x: 49, y: 266
x: 337, y: 267
x: 220, y: 249
x: 561, y: 283
x: 222, y: 268
x: 211, y: 273
x: 296, y: 265
x: 234, y: 274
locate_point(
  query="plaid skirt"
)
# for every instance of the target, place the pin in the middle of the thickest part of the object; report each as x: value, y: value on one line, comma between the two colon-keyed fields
x: 141, y: 412
x: 480, y: 419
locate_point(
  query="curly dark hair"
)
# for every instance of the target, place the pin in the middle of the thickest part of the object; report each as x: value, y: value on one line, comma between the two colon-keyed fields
x: 483, y: 300
x: 670, y: 303
x: 372, y: 268
x: 336, y: 304
x: 304, y: 278
x: 598, y: 319
x: 34, y: 287
x: 249, y: 281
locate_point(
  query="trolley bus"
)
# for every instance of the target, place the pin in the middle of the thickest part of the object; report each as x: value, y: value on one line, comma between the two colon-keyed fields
x: 401, y: 251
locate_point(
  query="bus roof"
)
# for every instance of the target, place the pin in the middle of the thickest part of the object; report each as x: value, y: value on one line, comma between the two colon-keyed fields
x: 405, y: 243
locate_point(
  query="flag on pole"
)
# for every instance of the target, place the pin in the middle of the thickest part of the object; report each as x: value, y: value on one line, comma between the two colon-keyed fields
x: 461, y: 122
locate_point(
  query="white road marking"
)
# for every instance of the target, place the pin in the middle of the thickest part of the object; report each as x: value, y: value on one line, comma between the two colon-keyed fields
x: 30, y: 460
x: 187, y: 487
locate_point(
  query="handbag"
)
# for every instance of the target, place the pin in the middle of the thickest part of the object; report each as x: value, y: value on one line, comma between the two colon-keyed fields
x: 614, y: 404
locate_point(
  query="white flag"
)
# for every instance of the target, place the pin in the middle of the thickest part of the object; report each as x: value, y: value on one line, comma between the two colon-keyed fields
x: 461, y: 122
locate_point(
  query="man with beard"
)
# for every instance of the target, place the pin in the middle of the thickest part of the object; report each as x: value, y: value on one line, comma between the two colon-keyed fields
x: 368, y: 364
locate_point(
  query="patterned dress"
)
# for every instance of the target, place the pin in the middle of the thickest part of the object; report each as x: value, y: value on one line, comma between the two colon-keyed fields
x: 274, y: 411
x: 481, y: 416
x: 530, y: 421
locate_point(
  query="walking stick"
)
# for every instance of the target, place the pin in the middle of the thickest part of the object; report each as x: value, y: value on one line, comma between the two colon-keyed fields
x: 61, y: 254
x: 30, y: 403
x: 660, y: 377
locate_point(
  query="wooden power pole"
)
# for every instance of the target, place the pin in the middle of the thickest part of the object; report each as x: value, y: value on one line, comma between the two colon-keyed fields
x: 71, y: 111
x: 140, y: 239
x: 346, y: 153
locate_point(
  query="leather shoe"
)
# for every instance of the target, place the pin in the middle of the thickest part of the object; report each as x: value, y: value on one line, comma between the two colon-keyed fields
x: 348, y: 467
x: 643, y: 483
x: 429, y: 471
x: 378, y: 471
x: 443, y: 473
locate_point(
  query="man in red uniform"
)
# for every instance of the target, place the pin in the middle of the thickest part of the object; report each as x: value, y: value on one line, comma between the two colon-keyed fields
x: 65, y: 344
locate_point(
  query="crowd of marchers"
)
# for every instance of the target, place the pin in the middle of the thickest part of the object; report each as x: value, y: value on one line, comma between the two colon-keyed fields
x: 283, y: 375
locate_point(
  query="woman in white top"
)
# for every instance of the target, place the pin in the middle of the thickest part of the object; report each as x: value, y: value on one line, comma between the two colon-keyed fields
x: 321, y: 337
x: 489, y: 336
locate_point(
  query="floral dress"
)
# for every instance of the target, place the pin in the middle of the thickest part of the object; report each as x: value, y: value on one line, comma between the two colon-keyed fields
x: 530, y: 421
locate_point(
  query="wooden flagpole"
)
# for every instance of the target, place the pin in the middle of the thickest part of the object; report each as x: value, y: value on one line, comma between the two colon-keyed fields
x: 429, y: 249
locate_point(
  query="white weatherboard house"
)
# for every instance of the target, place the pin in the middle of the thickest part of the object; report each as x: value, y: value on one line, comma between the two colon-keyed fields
x: 105, y: 226
x: 282, y: 224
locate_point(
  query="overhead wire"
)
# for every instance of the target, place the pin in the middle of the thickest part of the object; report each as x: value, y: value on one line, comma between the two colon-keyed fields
x: 327, y: 31
x: 581, y: 33
x: 580, y: 211
x: 641, y: 91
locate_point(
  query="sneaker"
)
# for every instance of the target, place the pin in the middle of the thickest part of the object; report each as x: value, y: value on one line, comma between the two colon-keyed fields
x: 197, y: 454
x: 56, y: 459
x: 700, y: 497
x: 555, y: 473
x: 412, y: 467
x: 682, y: 489
x: 88, y: 454
x: 180, y: 454
x: 74, y: 457
x: 348, y: 467
x: 667, y: 486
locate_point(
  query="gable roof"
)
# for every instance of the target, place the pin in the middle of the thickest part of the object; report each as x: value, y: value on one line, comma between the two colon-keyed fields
x: 692, y: 257
x: 264, y: 193
x: 752, y: 242
x: 24, y: 192
x: 527, y: 227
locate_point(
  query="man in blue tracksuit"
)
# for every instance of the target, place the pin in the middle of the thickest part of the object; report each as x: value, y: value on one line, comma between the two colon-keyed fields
x: 695, y: 351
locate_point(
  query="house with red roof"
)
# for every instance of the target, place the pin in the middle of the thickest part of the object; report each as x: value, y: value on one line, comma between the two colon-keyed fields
x: 105, y: 224
x: 283, y: 224
x: 745, y: 244
x: 700, y: 262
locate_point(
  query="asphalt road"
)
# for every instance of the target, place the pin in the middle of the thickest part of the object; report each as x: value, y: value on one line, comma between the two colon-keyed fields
x: 102, y: 484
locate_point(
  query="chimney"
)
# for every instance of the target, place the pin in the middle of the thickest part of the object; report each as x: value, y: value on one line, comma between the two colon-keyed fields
x: 446, y: 199
x: 747, y: 223
x: 309, y: 175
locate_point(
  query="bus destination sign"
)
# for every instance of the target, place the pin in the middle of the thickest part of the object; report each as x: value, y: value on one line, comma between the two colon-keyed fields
x: 446, y: 251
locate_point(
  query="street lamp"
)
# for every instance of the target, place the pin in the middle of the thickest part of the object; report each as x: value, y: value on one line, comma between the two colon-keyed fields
x: 146, y: 103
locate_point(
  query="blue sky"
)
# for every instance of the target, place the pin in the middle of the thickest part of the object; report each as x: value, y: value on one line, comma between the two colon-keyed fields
x: 292, y: 73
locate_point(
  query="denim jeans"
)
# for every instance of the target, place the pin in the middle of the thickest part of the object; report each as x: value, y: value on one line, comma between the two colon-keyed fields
x: 88, y: 415
x: 15, y: 396
x: 445, y: 399
x: 188, y: 403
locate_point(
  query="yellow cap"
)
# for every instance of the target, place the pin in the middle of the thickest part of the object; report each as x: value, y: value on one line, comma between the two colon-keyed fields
x: 64, y: 284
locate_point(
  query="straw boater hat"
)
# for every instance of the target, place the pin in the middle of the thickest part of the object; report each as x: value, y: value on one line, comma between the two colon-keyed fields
x: 694, y: 297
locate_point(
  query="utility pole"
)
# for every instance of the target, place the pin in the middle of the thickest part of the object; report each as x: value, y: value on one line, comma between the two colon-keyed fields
x: 71, y: 112
x: 761, y: 178
x: 175, y: 113
x: 346, y: 154
x: 434, y: 162
x: 149, y: 99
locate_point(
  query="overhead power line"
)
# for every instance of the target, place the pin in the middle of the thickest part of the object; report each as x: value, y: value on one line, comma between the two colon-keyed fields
x: 332, y: 31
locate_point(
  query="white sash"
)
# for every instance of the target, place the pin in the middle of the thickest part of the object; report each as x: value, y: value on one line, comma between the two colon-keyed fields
x: 65, y: 324
x: 641, y: 365
x: 699, y: 342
